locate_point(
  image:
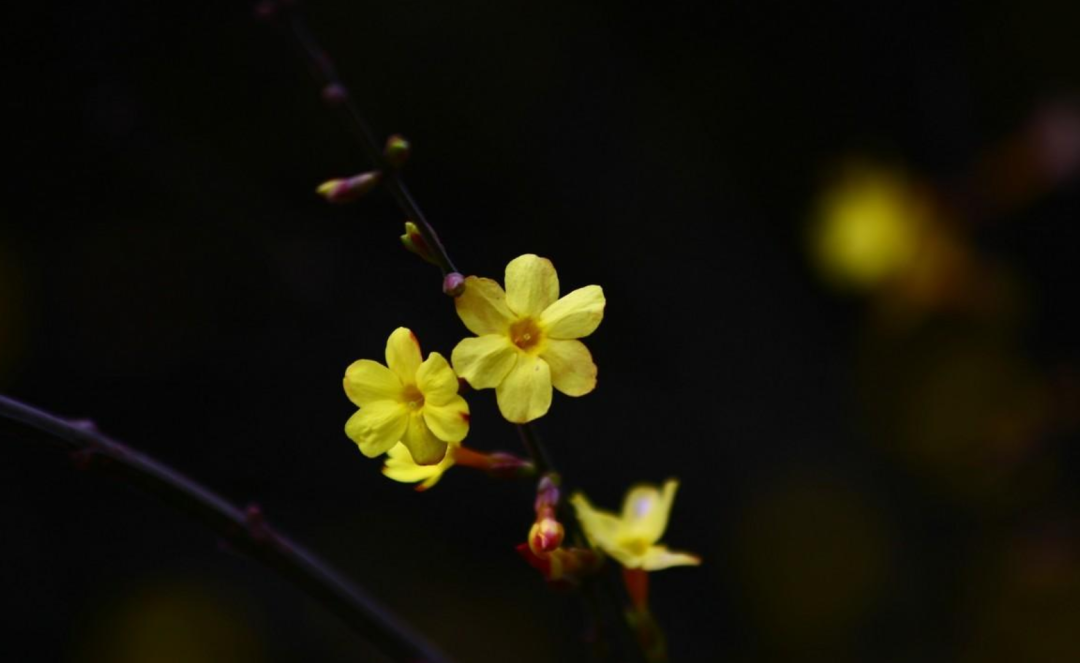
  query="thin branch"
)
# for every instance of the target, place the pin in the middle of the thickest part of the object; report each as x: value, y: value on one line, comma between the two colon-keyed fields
x: 337, y: 95
x: 246, y: 530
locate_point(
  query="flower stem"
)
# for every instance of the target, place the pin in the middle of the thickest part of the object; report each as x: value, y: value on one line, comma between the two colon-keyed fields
x: 246, y: 530
x: 604, y: 585
x: 337, y: 95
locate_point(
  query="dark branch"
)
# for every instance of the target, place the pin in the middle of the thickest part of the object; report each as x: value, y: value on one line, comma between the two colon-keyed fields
x: 246, y: 530
x: 337, y: 95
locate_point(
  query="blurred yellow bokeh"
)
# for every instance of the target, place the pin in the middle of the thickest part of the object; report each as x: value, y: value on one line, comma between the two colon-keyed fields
x: 868, y: 227
x: 172, y: 622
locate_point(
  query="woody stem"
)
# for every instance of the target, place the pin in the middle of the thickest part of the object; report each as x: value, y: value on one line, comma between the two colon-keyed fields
x: 337, y: 95
x: 246, y: 530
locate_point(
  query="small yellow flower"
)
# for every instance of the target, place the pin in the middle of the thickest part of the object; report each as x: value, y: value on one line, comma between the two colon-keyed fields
x: 526, y: 339
x: 631, y: 539
x: 400, y: 466
x: 412, y: 402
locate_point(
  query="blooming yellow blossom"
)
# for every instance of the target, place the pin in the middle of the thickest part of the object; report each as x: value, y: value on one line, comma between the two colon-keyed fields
x: 409, y: 401
x: 400, y: 466
x: 526, y: 339
x: 631, y: 539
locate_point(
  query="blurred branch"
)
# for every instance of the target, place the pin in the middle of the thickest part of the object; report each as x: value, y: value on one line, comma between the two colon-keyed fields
x: 336, y: 95
x: 245, y: 529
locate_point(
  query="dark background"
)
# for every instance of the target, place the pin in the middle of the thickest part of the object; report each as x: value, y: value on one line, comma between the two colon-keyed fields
x: 167, y: 271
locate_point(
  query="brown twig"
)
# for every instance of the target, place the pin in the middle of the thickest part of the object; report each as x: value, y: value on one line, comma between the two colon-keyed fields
x: 336, y: 95
x: 246, y: 530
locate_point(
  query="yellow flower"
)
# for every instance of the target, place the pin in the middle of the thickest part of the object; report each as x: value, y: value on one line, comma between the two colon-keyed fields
x: 400, y: 466
x: 631, y: 539
x: 412, y: 402
x: 526, y: 337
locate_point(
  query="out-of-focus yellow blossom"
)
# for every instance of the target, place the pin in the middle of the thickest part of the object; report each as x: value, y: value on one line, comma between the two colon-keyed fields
x: 870, y: 227
x: 632, y: 538
x: 413, y: 402
x: 526, y: 339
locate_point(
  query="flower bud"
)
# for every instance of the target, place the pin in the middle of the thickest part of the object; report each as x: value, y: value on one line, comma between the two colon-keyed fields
x: 397, y: 150
x: 563, y: 567
x: 414, y: 242
x: 547, y: 493
x: 546, y: 535
x: 334, y: 94
x: 454, y: 284
x: 346, y: 190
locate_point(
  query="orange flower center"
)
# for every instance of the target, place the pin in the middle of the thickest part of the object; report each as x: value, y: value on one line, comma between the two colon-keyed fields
x: 412, y: 397
x: 525, y: 333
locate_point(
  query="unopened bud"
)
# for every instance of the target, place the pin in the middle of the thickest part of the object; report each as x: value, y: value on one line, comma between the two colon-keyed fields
x: 453, y: 284
x: 414, y: 242
x: 334, y: 94
x: 547, y: 493
x: 546, y: 535
x: 346, y: 190
x: 563, y: 567
x: 397, y: 150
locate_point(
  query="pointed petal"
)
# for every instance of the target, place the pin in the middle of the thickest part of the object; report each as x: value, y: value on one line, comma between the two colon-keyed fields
x: 482, y: 307
x: 377, y: 426
x: 400, y: 466
x: 531, y: 285
x: 436, y: 380
x: 403, y: 354
x: 646, y: 510
x: 525, y: 392
x: 450, y: 422
x: 576, y: 315
x: 572, y: 369
x: 485, y: 360
x: 602, y: 528
x: 425, y: 448
x: 367, y: 381
x: 657, y: 558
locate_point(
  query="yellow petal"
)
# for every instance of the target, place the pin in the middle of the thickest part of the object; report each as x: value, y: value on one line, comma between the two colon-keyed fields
x: 531, y: 285
x: 646, y: 509
x: 400, y: 466
x: 482, y: 307
x: 572, y: 369
x: 436, y: 380
x: 485, y: 360
x: 659, y: 557
x: 449, y: 422
x: 602, y: 528
x: 525, y: 392
x: 367, y: 381
x: 377, y: 426
x: 576, y: 315
x: 403, y: 354
x: 426, y: 449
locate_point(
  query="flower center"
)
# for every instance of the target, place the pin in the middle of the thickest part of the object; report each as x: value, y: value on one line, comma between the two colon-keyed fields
x: 636, y: 545
x: 525, y: 333
x: 414, y: 400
